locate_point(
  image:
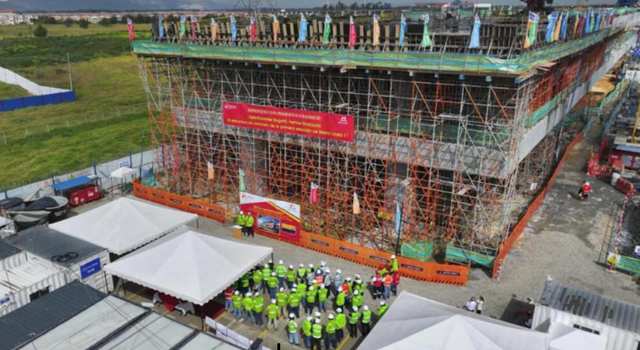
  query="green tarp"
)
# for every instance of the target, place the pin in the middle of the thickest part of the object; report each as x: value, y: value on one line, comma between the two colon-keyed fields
x: 629, y: 264
x: 452, y: 62
x: 423, y: 250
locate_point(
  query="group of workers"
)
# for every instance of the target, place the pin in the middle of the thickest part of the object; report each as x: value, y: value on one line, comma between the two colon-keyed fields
x: 308, y: 292
x: 246, y: 221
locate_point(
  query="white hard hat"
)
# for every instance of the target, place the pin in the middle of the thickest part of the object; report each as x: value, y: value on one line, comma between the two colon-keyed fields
x: 357, y: 276
x: 317, y: 320
x: 317, y: 314
x: 355, y: 308
x: 295, y: 285
x: 237, y: 293
x: 393, y: 256
x: 348, y: 278
x: 282, y: 289
x: 338, y: 271
x: 273, y: 301
x: 256, y: 294
x: 365, y: 307
x: 355, y: 292
x: 331, y: 316
x: 291, y: 315
x: 339, y: 309
x: 310, y: 265
x: 327, y: 270
x: 322, y: 263
x: 248, y: 294
x: 301, y: 265
x: 273, y: 274
x: 280, y: 262
x: 382, y: 302
x: 241, y: 212
x: 309, y: 318
x: 266, y: 265
x: 291, y: 267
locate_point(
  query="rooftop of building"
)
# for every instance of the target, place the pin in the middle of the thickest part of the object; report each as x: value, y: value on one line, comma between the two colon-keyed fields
x: 500, y: 50
x: 593, y: 306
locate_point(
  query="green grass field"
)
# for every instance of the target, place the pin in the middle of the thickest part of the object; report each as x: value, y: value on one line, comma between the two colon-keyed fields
x: 108, y: 120
x: 11, y: 91
x: 54, y: 30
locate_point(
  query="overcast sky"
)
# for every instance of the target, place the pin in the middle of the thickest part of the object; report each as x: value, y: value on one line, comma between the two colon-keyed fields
x: 61, y: 5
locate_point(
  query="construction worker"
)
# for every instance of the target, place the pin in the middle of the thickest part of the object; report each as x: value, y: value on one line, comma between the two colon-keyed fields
x: 340, y: 300
x: 366, y: 320
x: 387, y: 280
x: 272, y: 285
x: 316, y: 334
x: 282, y: 297
x: 330, y: 341
x: 294, y: 303
x: 310, y: 271
x: 302, y: 273
x: 281, y: 272
x: 341, y: 323
x: 357, y: 300
x: 302, y: 292
x: 244, y: 283
x: 393, y: 265
x: 257, y: 279
x: 291, y: 277
x: 258, y: 308
x: 354, y: 319
x: 236, y: 300
x: 381, y: 310
x: 292, y: 330
x: 273, y: 313
x: 248, y: 224
x: 584, y: 191
x: 266, y: 273
x: 338, y: 279
x: 247, y: 302
x: 323, y: 294
x: 241, y: 221
x: 228, y: 299
x: 311, y: 297
x: 306, y: 332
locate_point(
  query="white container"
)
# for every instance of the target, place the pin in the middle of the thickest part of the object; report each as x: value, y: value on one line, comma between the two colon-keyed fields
x: 614, y: 178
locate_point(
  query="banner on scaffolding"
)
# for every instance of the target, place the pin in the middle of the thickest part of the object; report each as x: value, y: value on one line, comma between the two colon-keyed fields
x: 323, y: 125
x: 274, y: 218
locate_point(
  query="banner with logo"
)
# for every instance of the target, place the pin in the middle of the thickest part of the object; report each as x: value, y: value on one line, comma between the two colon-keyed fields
x: 323, y: 125
x: 272, y: 217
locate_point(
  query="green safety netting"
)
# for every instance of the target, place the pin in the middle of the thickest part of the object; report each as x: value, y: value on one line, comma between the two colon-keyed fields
x: 423, y: 250
x: 472, y: 63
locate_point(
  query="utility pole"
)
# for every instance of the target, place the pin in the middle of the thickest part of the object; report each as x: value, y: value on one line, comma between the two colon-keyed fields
x: 69, y: 71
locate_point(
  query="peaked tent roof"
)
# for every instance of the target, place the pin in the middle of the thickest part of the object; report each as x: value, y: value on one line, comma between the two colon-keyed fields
x: 124, y: 224
x: 413, y: 322
x: 569, y: 338
x: 182, y: 266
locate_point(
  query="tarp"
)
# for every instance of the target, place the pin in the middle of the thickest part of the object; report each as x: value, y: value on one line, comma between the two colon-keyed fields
x: 413, y: 322
x: 191, y: 266
x: 124, y: 224
x: 122, y: 173
x: 423, y: 251
x: 72, y: 183
x: 569, y: 338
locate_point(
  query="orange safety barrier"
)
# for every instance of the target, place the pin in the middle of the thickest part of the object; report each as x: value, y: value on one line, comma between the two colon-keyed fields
x: 188, y: 204
x: 426, y: 271
x: 516, y: 232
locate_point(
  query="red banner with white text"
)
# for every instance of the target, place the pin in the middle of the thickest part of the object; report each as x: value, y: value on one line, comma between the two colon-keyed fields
x: 323, y: 125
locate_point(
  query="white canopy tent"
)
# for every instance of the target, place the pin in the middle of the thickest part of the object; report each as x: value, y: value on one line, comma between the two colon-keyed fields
x: 569, y: 338
x: 413, y: 322
x: 124, y: 224
x: 191, y: 266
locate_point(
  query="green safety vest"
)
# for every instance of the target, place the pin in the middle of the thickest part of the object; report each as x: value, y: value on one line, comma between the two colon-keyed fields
x: 302, y: 272
x: 249, y: 221
x: 258, y: 304
x: 331, y: 326
x: 302, y: 288
x: 281, y: 299
x: 245, y: 281
x: 272, y: 282
x: 257, y: 277
x: 357, y: 300
x: 311, y: 295
x: 317, y: 331
x: 340, y: 299
x: 247, y: 302
x: 291, y: 275
x: 272, y: 311
x: 341, y: 321
x: 322, y: 294
x: 281, y: 271
x: 293, y: 327
x: 294, y: 299
x: 394, y: 265
x: 382, y: 309
x: 237, y: 301
x: 354, y: 317
x: 306, y: 328
x: 366, y: 316
x: 240, y: 220
x: 266, y: 273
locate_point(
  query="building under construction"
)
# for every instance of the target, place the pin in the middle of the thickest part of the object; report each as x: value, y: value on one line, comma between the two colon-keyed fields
x: 459, y: 138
